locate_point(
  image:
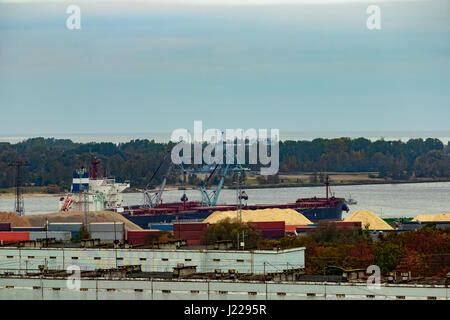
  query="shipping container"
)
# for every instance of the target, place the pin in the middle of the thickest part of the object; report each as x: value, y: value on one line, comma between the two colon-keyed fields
x: 272, y: 233
x: 8, y: 236
x: 138, y: 237
x: 193, y: 242
x: 107, y: 236
x: 188, y: 235
x: 136, y: 242
x: 21, y: 229
x: 304, y: 229
x: 354, y: 224
x: 140, y: 234
x: 65, y: 226
x: 5, y: 226
x: 57, y: 235
x: 162, y: 227
x: 194, y: 226
x: 268, y: 224
x: 106, y: 226
x: 294, y: 227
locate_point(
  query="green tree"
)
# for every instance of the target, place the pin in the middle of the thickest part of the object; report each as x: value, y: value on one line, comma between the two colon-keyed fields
x: 387, y: 255
x: 232, y: 230
x: 82, y: 234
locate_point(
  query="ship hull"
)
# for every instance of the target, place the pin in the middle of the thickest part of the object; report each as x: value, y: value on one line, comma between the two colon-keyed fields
x: 314, y: 214
x: 144, y: 221
x: 322, y: 214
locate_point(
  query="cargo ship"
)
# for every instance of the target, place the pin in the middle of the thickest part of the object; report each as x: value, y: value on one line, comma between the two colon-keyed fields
x: 93, y: 193
x: 90, y: 192
x: 315, y: 209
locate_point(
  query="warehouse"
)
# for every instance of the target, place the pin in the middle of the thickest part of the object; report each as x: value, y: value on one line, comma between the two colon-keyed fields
x: 21, y: 260
x: 48, y: 288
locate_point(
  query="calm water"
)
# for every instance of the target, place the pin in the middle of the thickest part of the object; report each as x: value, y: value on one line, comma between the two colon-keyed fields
x: 389, y: 200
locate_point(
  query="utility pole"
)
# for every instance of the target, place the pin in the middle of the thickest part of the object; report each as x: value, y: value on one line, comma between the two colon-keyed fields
x: 115, y: 242
x: 19, y: 207
x: 84, y: 204
x: 46, y: 231
x: 241, y: 194
x: 238, y: 193
x: 86, y: 208
x: 238, y: 245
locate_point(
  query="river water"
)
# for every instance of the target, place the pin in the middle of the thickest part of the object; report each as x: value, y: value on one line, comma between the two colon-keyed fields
x: 385, y: 200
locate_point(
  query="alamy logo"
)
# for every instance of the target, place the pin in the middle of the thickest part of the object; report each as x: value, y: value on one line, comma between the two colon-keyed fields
x: 209, y: 147
x: 374, y: 280
x: 374, y: 20
x: 73, y: 22
x: 73, y: 281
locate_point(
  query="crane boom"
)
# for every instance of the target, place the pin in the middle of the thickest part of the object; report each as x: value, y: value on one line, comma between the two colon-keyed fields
x: 151, y: 199
x: 210, y: 198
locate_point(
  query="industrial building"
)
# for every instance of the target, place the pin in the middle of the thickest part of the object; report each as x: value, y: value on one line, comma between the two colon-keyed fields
x: 51, y: 288
x: 20, y: 260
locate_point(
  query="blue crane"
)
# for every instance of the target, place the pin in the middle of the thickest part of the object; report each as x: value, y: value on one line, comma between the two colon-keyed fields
x: 209, y: 198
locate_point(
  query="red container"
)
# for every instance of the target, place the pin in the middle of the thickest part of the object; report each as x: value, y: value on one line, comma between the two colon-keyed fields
x: 262, y: 225
x: 5, y: 226
x: 291, y: 227
x: 136, y: 242
x: 193, y: 242
x: 134, y: 235
x: 197, y: 226
x: 272, y: 233
x: 304, y: 229
x: 6, y: 236
x: 188, y: 235
x: 138, y: 237
x: 354, y: 224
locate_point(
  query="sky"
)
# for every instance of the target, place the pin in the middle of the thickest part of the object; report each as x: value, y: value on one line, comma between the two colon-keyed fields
x: 146, y: 67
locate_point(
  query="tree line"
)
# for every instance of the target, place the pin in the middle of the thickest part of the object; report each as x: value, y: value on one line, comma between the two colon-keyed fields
x: 424, y: 253
x: 394, y: 159
x: 53, y: 161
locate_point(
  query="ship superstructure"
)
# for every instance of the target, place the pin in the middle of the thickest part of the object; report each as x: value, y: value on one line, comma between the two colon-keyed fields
x: 89, y: 192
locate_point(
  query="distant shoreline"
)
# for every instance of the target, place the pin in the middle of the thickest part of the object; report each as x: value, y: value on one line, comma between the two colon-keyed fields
x: 354, y: 183
x: 11, y: 195
x: 28, y: 195
x: 307, y: 185
x: 164, y: 137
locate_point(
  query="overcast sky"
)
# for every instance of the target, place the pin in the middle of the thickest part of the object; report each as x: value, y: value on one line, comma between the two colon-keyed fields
x: 149, y: 67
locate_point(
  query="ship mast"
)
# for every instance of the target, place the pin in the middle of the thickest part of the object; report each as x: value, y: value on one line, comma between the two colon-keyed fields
x: 94, y: 172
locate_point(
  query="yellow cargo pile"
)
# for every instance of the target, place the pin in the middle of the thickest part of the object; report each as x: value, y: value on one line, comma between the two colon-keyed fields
x: 14, y: 219
x: 442, y: 217
x: 289, y: 216
x: 38, y: 220
x: 368, y: 218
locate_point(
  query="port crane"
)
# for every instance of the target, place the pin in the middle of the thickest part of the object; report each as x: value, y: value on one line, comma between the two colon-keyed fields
x: 209, y: 198
x: 151, y: 198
